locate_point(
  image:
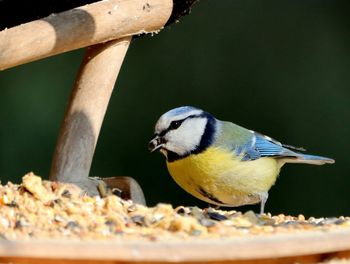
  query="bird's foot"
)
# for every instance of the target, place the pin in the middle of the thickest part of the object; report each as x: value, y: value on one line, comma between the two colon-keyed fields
x: 263, y: 198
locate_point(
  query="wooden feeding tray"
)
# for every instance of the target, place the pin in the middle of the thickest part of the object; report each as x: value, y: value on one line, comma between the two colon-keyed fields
x: 309, y: 247
x: 131, y: 233
x: 50, y: 222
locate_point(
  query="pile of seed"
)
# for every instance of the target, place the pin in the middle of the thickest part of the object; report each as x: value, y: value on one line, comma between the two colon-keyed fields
x: 44, y: 209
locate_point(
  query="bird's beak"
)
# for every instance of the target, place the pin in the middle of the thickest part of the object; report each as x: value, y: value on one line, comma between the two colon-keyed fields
x: 155, y: 144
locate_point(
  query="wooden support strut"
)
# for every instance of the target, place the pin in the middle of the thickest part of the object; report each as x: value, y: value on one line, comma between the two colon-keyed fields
x: 83, y: 118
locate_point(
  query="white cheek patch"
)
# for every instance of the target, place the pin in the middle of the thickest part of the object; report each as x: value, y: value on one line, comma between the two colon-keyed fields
x: 187, y: 137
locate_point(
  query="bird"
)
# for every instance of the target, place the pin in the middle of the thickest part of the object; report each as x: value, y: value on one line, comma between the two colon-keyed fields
x: 219, y: 162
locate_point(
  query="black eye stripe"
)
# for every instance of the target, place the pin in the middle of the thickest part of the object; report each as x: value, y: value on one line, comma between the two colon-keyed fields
x: 173, y: 125
x: 177, y: 123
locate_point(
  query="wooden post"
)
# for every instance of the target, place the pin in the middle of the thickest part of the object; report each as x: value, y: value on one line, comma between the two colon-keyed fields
x: 84, y: 115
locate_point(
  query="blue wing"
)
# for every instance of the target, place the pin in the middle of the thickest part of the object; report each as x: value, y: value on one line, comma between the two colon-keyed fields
x: 263, y: 146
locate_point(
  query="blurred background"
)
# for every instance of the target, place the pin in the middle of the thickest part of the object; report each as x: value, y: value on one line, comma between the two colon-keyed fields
x: 279, y: 67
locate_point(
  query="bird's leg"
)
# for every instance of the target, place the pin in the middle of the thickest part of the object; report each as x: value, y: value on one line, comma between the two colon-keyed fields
x: 210, y: 208
x: 214, y: 206
x: 263, y: 198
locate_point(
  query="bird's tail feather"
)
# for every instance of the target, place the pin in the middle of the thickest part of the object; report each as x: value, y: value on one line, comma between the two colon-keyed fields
x: 309, y: 159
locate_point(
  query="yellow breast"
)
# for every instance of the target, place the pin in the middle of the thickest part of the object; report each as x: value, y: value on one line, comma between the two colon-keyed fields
x: 217, y: 176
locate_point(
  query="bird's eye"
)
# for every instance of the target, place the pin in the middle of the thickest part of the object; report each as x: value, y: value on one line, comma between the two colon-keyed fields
x: 175, y: 124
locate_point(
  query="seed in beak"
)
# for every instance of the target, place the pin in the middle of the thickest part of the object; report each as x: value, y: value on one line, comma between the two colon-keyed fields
x: 151, y: 145
x: 155, y: 144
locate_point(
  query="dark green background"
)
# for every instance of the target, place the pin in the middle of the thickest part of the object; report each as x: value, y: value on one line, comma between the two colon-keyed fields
x: 278, y: 67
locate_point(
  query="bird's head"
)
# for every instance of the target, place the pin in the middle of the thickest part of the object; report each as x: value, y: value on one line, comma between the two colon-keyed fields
x: 183, y: 131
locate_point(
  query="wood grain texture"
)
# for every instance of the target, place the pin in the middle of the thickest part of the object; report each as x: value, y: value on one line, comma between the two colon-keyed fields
x: 81, y: 27
x: 304, y: 247
x: 85, y: 113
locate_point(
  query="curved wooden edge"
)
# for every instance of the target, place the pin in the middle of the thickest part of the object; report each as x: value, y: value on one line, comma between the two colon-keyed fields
x: 207, y: 250
x: 129, y: 187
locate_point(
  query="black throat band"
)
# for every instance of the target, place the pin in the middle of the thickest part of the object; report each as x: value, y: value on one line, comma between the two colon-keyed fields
x: 206, y: 140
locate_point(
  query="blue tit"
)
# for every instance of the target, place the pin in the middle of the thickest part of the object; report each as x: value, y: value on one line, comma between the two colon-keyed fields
x: 220, y: 162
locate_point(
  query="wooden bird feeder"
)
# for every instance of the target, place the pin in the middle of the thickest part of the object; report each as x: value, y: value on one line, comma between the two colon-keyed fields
x: 106, y: 28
